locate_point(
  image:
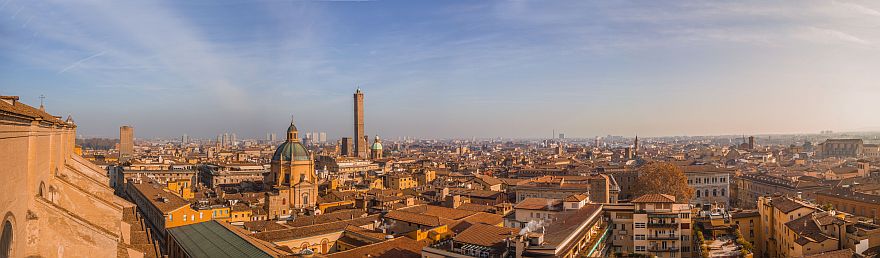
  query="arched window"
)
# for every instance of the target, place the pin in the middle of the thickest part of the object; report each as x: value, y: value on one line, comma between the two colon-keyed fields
x: 305, y: 198
x: 325, y: 246
x: 52, y: 192
x: 305, y: 245
x: 42, y: 190
x: 6, y: 240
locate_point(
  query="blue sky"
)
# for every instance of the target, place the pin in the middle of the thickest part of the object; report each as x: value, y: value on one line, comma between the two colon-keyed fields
x: 447, y: 68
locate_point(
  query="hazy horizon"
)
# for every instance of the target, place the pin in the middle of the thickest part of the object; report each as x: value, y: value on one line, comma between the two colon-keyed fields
x: 456, y: 69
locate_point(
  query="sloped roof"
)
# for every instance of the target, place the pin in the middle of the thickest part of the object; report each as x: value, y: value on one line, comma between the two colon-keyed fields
x: 807, y: 230
x: 654, y: 198
x: 485, y: 235
x: 576, y: 198
x: 210, y: 239
x: 415, y: 218
x: 537, y: 203
x: 786, y: 204
x: 28, y: 111
x: 402, y: 247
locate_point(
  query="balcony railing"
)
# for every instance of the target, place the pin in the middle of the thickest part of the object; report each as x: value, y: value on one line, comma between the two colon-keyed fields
x: 662, y: 225
x: 662, y: 215
x: 662, y: 237
x: 662, y: 249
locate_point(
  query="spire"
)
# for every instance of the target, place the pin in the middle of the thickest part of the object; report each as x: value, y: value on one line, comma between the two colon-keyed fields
x: 292, y: 132
x: 42, y: 108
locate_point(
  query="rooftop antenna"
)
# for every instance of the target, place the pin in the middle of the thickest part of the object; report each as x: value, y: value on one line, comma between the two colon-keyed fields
x: 42, y: 108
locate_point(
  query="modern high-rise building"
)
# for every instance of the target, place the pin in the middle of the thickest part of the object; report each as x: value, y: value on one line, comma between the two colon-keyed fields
x: 126, y: 142
x: 323, y: 137
x: 345, y: 150
x: 360, y: 144
x: 184, y: 139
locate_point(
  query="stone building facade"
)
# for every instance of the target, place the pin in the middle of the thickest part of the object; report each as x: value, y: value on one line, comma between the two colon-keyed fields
x: 841, y: 148
x: 292, y: 174
x: 54, y: 202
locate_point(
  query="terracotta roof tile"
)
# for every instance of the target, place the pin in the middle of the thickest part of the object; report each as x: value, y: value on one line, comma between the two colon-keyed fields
x: 654, y: 198
x: 538, y: 204
x: 415, y: 218
x: 399, y: 247
x: 485, y: 235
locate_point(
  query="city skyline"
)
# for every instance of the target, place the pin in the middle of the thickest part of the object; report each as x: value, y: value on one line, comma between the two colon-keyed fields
x: 442, y: 70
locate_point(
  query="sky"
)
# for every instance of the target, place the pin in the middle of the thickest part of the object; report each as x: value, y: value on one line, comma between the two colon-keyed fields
x: 439, y: 69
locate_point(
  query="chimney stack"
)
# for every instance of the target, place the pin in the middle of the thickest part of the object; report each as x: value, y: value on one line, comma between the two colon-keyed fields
x: 11, y: 100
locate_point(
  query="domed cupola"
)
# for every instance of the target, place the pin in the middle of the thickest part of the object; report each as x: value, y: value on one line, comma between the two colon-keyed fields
x: 292, y: 149
x: 377, y: 144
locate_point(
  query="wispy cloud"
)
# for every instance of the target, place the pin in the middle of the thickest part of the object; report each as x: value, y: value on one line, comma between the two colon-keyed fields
x: 78, y: 62
x: 255, y: 61
x: 858, y: 8
x: 826, y: 35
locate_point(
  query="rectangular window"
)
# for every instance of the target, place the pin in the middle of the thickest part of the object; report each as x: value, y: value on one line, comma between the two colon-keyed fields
x: 640, y: 237
x: 170, y: 217
x: 640, y: 248
x: 640, y: 225
x: 685, y: 225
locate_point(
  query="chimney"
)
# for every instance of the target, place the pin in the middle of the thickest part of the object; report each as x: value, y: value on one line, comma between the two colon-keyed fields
x: 11, y: 100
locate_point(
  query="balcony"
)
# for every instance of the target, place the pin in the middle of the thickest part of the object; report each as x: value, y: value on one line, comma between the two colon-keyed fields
x: 662, y: 249
x: 662, y: 225
x: 663, y: 215
x: 662, y: 237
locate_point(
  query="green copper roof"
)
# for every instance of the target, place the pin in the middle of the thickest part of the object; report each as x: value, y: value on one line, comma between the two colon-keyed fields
x: 210, y: 239
x: 291, y: 151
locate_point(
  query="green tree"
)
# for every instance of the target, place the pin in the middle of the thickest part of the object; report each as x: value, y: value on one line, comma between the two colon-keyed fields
x: 664, y: 178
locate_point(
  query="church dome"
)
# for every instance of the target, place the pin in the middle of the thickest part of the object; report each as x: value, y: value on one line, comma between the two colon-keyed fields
x: 377, y: 144
x: 291, y: 151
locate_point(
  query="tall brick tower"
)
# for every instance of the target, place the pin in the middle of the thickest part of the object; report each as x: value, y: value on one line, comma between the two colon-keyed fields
x: 126, y: 142
x: 360, y: 143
